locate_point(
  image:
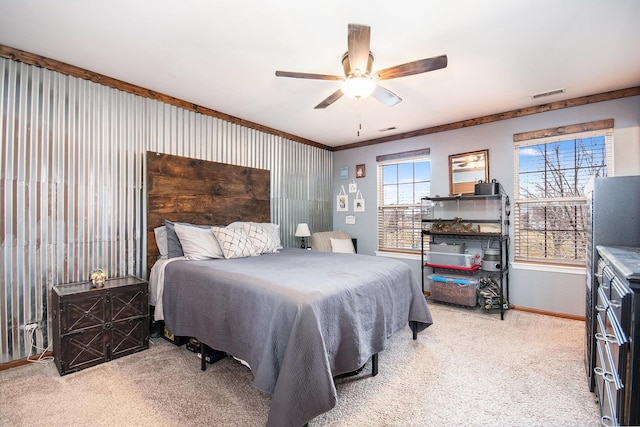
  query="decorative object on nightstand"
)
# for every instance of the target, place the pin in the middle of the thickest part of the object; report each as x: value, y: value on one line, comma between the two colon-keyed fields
x: 94, y: 325
x: 98, y: 277
x: 303, y: 231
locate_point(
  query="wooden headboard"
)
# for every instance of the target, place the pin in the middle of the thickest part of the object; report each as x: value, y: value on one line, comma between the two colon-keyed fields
x: 182, y: 189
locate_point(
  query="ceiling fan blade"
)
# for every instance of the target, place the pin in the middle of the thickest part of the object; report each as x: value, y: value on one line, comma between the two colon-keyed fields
x: 358, y: 41
x: 415, y: 67
x: 307, y: 75
x: 386, y: 96
x: 329, y: 100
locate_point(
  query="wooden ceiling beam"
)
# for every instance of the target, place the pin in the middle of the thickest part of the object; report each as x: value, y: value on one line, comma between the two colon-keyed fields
x: 521, y: 112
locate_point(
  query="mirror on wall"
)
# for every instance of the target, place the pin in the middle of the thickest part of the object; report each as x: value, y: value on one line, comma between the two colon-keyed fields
x: 466, y: 169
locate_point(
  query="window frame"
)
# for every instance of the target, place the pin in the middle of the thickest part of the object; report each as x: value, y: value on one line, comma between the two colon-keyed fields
x: 603, y: 128
x: 398, y: 159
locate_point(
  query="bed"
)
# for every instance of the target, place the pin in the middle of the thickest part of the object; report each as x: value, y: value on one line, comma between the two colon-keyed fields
x: 298, y: 318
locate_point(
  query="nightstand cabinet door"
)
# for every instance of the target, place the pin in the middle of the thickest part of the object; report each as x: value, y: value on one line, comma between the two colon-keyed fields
x: 130, y: 320
x: 83, y: 310
x: 81, y: 349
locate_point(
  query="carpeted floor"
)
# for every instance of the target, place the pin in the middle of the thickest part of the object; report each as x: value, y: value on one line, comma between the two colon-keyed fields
x: 469, y: 368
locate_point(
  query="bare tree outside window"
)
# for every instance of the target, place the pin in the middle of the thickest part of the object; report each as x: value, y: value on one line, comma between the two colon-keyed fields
x: 550, y: 206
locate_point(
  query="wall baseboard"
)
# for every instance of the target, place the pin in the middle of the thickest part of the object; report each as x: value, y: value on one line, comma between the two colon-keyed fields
x: 24, y: 361
x: 534, y: 310
x: 548, y: 313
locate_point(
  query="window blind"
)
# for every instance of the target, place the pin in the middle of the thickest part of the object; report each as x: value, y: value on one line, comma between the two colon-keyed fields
x: 550, y: 207
x: 403, y: 179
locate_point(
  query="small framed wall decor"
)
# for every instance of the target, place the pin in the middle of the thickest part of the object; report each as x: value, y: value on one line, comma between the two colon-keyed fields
x: 361, y: 171
x: 342, y: 201
x: 358, y: 202
x: 344, y: 172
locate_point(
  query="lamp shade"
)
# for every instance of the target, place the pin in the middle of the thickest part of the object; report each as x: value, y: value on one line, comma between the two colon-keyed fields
x: 302, y: 230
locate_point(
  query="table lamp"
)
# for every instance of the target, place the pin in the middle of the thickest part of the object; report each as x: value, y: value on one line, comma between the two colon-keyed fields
x: 302, y: 230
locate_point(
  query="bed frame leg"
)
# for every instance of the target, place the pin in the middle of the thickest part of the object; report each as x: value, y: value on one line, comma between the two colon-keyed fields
x: 203, y: 357
x: 374, y: 365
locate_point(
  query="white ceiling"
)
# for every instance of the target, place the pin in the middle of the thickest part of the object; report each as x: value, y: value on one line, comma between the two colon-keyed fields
x: 223, y: 54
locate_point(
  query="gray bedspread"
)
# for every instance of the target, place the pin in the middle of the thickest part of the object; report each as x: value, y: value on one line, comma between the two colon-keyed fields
x: 298, y: 318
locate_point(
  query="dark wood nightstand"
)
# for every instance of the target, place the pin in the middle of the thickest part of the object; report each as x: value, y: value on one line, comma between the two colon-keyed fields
x: 95, y: 325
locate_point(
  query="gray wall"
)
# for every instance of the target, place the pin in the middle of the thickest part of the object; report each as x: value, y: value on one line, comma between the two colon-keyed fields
x: 72, y: 167
x: 555, y: 290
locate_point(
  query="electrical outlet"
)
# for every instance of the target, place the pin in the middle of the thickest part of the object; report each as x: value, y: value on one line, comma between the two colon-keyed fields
x: 30, y: 327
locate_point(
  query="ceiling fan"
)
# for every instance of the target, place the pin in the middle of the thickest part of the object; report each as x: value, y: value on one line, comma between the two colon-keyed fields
x: 358, y: 81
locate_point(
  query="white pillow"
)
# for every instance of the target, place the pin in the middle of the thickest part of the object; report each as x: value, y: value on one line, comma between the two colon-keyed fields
x: 344, y: 246
x: 274, y: 229
x: 236, y: 224
x: 198, y: 243
x: 275, y: 232
x: 260, y: 238
x: 234, y: 242
x: 161, y: 241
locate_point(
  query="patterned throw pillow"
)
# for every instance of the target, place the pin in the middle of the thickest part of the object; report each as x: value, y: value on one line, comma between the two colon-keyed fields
x: 272, y: 228
x: 234, y: 242
x: 261, y: 238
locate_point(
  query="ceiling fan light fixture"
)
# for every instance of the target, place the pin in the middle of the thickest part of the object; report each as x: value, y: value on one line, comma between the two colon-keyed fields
x: 359, y: 81
x: 358, y: 86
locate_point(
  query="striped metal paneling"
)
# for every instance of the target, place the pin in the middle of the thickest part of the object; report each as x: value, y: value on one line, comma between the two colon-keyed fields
x: 72, y: 184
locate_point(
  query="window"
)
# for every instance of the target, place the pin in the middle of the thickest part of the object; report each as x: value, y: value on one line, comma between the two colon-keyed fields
x: 403, y: 180
x: 551, y: 173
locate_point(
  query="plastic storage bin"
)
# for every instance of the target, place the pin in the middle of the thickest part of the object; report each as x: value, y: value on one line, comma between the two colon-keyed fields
x: 453, y: 260
x: 462, y: 290
x: 448, y: 248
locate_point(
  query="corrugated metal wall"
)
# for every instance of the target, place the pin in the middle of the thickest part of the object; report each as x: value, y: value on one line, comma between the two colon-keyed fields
x: 72, y: 183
